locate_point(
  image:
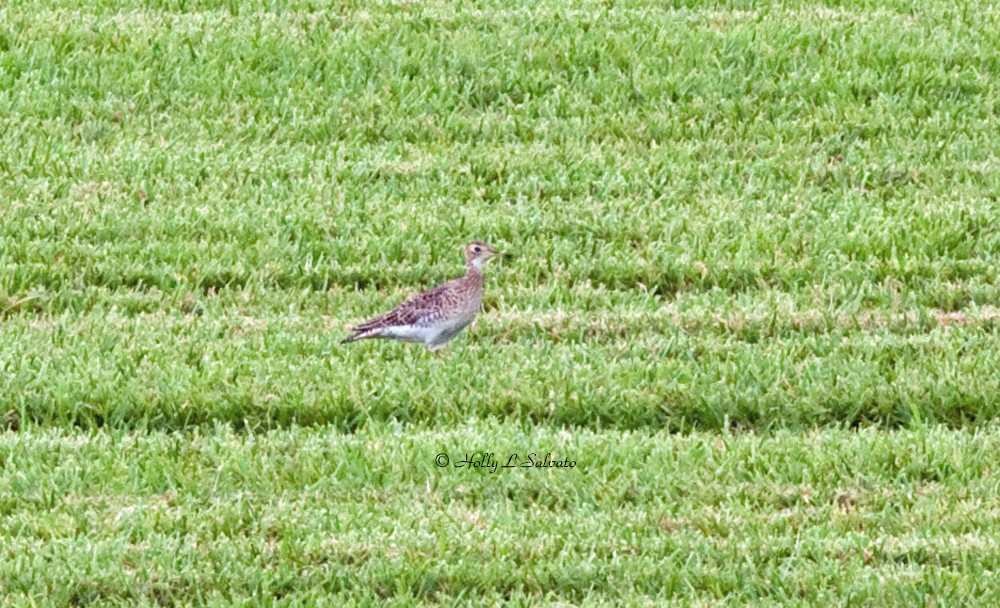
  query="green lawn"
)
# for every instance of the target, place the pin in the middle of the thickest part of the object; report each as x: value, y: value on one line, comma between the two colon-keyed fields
x: 740, y: 231
x: 302, y: 515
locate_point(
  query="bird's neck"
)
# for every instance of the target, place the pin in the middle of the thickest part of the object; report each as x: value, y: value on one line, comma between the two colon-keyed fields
x: 474, y: 270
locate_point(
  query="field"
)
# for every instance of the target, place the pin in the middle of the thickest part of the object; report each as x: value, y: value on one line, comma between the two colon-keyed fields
x: 753, y: 294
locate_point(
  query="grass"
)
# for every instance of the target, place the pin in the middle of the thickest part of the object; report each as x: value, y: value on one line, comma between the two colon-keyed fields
x: 300, y: 515
x: 762, y: 183
x: 779, y: 220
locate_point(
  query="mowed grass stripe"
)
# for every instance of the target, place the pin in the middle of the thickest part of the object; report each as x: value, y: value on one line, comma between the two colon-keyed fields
x: 305, y: 513
x: 173, y: 370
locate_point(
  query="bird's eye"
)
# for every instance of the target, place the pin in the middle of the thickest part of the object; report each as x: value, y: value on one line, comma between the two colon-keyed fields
x: 477, y: 249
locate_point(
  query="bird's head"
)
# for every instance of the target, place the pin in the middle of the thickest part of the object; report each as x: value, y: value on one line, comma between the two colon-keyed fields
x: 478, y: 252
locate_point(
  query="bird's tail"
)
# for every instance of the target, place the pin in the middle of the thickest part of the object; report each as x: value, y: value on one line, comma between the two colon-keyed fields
x: 359, y: 333
x: 368, y: 329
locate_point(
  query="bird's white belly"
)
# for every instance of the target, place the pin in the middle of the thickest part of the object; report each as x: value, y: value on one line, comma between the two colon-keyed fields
x: 410, y: 333
x: 433, y: 335
x: 451, y: 328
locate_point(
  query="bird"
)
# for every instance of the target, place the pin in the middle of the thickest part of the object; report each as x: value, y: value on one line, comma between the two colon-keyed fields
x: 434, y: 317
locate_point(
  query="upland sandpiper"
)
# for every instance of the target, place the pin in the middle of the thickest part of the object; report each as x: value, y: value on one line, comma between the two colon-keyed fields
x: 436, y: 316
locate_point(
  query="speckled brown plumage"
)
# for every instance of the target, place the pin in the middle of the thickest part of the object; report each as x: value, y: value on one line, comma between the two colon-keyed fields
x: 436, y: 316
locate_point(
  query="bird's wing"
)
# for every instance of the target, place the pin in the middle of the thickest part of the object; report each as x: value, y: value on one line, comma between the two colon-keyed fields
x: 423, y: 307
